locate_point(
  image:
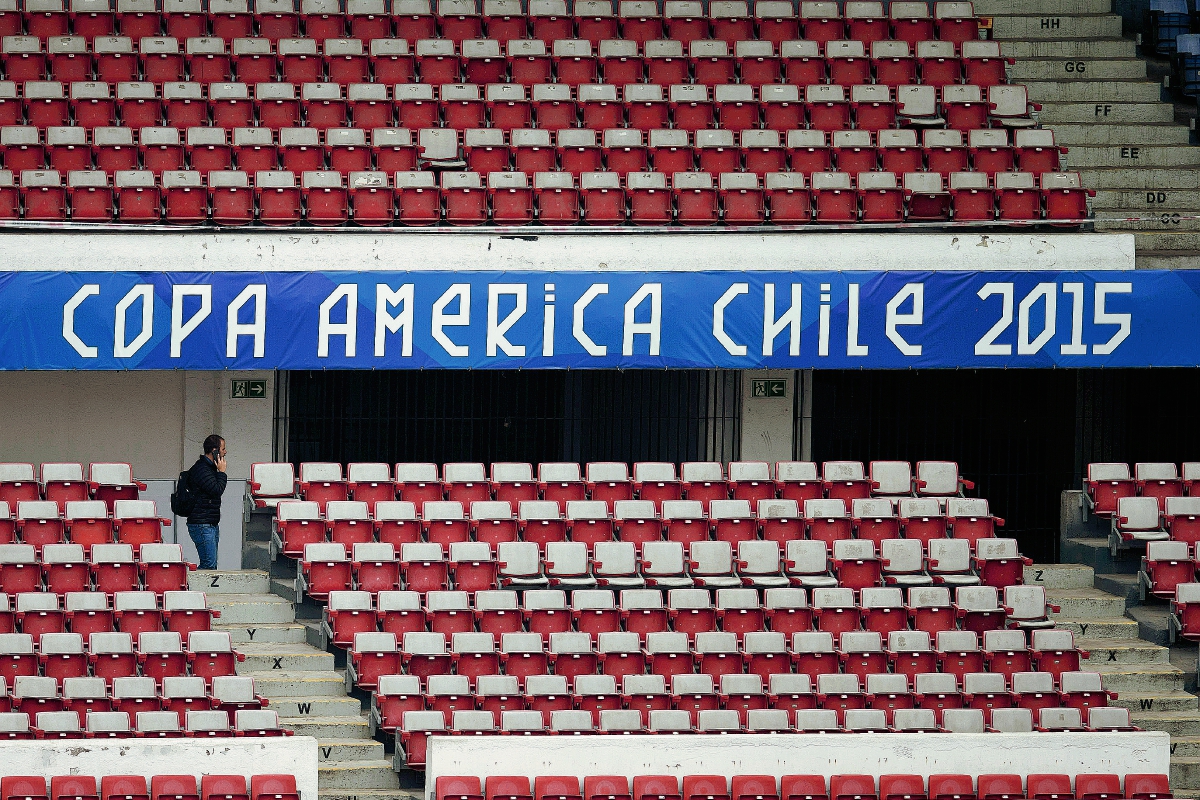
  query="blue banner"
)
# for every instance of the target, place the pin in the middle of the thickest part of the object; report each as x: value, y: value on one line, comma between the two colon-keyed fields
x: 580, y: 320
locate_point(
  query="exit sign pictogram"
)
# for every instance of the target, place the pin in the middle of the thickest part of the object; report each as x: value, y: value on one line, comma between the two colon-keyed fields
x: 248, y: 390
x: 770, y: 387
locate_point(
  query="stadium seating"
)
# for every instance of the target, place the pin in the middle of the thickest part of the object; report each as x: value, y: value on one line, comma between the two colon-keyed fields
x: 91, y: 599
x: 60, y: 787
x: 566, y: 612
x: 562, y: 119
x: 1148, y: 505
x: 691, y: 787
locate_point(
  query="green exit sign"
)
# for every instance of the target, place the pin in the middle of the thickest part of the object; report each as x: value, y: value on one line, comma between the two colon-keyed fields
x: 248, y: 390
x: 771, y: 387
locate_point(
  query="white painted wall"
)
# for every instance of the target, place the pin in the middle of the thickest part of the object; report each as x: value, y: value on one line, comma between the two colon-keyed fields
x: 786, y: 754
x: 94, y: 416
x: 767, y: 422
x: 155, y: 420
x: 291, y: 755
x: 628, y: 249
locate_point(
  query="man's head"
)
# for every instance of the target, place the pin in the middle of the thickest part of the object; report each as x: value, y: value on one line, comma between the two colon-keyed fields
x: 214, y: 443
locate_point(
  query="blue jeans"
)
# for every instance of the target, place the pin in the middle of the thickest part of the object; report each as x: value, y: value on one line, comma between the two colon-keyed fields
x: 205, y: 538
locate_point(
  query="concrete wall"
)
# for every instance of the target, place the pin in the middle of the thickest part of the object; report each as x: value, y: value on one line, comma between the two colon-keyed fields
x: 291, y: 755
x: 784, y: 754
x: 635, y: 250
x: 94, y: 416
x: 154, y: 420
x: 768, y: 422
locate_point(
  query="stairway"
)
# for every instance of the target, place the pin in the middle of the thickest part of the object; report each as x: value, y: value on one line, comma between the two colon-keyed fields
x: 1126, y: 642
x: 1123, y: 138
x: 301, y: 683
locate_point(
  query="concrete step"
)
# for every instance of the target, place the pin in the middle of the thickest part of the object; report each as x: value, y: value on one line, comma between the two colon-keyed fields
x: 284, y: 657
x: 1182, y: 259
x: 350, y: 750
x: 1129, y: 91
x: 1170, y: 701
x: 276, y: 632
x: 1134, y: 156
x: 1145, y: 201
x: 1183, y: 658
x: 1165, y: 220
x: 1074, y: 69
x: 1184, y: 240
x: 243, y: 581
x: 1106, y: 111
x: 372, y: 794
x: 1093, y: 603
x: 317, y: 706
x: 1184, y: 772
x: 1121, y: 651
x: 1094, y: 552
x: 997, y: 8
x: 1152, y: 622
x: 1069, y: 48
x: 1100, y: 628
x: 252, y: 609
x: 1185, y: 747
x: 284, y: 587
x: 1076, y: 26
x: 357, y: 775
x: 1168, y: 260
x: 1121, y: 584
x: 1176, y: 723
x: 256, y: 555
x: 328, y: 727
x: 1122, y: 135
x: 1148, y: 678
x: 1133, y: 176
x: 286, y: 684
x: 1060, y: 576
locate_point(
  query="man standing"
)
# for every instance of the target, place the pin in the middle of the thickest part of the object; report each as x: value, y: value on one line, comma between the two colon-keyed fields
x: 206, y: 482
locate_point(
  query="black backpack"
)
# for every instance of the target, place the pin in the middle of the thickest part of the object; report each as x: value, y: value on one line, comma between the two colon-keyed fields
x: 183, y: 502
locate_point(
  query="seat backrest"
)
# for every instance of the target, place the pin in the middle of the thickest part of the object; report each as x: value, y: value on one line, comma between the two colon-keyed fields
x: 349, y: 601
x: 1014, y: 180
x: 778, y: 509
x: 417, y: 642
x: 908, y: 641
x: 659, y: 558
x: 1025, y: 602
x: 730, y: 599
x: 634, y: 510
x: 949, y: 555
x: 346, y: 509
x: 785, y: 599
x: 853, y: 549
x: 882, y: 597
x: 587, y: 510
x: 682, y: 509
x: 964, y: 720
x: 825, y: 509
x: 1003, y: 641
x: 1187, y: 593
x: 1060, y: 718
x: 914, y: 507
x: 874, y: 508
x: 995, y: 549
x: 709, y: 557
x: 325, y: 551
x: 957, y: 642
x: 666, y: 642
x: 548, y: 599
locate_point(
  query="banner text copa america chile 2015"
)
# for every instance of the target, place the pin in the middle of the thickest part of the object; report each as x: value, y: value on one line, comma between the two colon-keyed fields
x: 575, y: 320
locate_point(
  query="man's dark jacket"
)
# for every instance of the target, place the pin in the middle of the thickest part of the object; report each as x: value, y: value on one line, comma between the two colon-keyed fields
x: 207, y: 485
